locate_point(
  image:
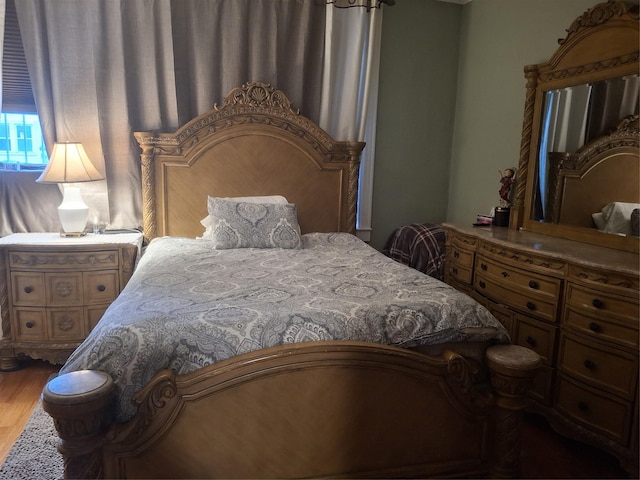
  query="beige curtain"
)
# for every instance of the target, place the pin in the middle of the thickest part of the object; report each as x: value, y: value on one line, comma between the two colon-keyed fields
x: 350, y: 90
x: 102, y: 69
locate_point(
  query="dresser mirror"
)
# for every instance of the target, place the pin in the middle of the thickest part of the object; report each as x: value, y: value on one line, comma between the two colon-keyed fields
x: 579, y: 164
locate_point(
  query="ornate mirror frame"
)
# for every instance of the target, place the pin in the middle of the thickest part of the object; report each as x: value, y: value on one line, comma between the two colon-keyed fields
x: 600, y: 44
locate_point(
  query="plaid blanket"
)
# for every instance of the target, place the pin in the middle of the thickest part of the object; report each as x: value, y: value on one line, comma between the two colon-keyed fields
x: 420, y: 246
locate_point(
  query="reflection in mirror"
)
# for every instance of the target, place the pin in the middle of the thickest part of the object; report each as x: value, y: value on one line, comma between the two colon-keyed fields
x: 573, y: 117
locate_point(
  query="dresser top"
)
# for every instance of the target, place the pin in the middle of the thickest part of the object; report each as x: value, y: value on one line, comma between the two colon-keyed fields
x: 560, y: 248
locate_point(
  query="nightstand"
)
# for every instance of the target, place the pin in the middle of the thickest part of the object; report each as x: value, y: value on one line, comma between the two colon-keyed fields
x: 54, y: 290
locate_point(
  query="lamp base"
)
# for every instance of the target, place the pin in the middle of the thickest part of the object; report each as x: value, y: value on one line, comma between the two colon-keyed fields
x: 73, y: 213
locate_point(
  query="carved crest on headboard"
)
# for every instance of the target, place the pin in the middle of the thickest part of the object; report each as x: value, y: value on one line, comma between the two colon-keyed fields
x: 257, y: 95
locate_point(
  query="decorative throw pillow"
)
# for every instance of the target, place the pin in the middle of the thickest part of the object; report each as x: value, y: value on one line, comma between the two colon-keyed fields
x: 253, y: 225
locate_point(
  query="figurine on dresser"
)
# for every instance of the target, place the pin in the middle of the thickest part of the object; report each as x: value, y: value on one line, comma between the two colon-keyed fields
x: 507, y: 179
x: 501, y: 212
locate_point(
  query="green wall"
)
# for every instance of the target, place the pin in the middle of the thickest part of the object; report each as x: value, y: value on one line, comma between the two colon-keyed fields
x: 452, y: 93
x: 498, y: 38
x: 419, y: 65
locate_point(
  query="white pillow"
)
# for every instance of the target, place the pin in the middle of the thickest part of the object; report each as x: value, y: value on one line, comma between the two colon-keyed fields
x: 278, y: 199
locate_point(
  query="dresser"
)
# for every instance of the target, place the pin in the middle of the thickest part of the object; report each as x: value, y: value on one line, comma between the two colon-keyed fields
x: 577, y: 306
x: 54, y: 290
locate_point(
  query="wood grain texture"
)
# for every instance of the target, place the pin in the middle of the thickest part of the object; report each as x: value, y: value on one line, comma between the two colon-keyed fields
x: 19, y: 394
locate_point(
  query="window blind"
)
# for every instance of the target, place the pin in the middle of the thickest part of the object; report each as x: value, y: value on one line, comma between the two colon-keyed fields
x: 17, y: 95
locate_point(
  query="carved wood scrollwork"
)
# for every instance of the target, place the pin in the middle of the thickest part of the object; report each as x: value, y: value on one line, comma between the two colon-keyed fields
x: 149, y: 401
x: 257, y: 95
x: 600, y: 14
x: 522, y: 257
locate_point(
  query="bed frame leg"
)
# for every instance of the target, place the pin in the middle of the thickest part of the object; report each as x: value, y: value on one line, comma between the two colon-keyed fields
x: 512, y: 371
x: 80, y: 404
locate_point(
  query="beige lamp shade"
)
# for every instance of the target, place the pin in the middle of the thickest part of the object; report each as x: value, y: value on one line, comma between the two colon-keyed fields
x: 69, y: 163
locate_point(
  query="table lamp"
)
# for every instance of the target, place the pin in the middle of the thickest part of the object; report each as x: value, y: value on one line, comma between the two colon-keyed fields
x: 69, y: 164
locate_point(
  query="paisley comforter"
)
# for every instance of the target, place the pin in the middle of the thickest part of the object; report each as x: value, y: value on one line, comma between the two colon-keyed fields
x: 188, y: 305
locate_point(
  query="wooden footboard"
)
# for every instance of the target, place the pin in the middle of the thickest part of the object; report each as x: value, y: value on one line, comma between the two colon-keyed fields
x: 325, y: 409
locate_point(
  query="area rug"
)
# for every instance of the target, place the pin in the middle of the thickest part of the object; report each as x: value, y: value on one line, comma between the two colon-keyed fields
x: 34, y: 455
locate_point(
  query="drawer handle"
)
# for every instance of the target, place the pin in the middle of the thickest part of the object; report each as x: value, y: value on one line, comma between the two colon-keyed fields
x: 531, y: 341
x: 583, y: 406
x: 482, y: 284
x: 597, y: 303
x: 589, y: 365
x: 505, y: 274
x: 456, y: 254
x: 454, y: 270
x: 594, y: 327
x: 533, y: 284
x: 483, y: 266
x: 28, y: 289
x: 531, y: 306
x: 29, y: 324
x: 101, y: 288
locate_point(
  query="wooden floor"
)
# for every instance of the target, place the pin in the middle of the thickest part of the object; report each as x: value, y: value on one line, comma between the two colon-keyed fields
x: 19, y: 393
x: 544, y: 453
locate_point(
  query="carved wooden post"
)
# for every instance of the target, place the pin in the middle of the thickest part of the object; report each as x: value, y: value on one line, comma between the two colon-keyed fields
x: 512, y: 371
x: 80, y: 404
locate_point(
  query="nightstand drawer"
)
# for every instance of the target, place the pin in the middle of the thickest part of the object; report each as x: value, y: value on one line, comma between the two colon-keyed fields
x: 94, y: 314
x: 602, y: 366
x: 27, y: 289
x: 30, y: 324
x: 596, y: 410
x: 91, y: 260
x: 66, y: 324
x: 100, y: 287
x: 64, y: 288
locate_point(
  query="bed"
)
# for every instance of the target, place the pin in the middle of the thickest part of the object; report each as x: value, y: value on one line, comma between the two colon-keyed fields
x: 293, y: 350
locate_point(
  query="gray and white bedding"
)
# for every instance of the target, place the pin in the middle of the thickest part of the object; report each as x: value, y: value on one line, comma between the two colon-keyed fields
x: 189, y: 305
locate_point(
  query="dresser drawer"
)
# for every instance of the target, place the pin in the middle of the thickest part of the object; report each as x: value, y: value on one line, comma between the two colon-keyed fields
x: 29, y: 324
x: 56, y: 260
x: 504, y: 316
x: 602, y: 304
x: 610, y: 369
x: 27, y: 289
x: 535, y: 286
x: 543, y: 385
x: 500, y: 291
x: 599, y: 327
x: 538, y: 336
x: 606, y: 414
x: 460, y: 273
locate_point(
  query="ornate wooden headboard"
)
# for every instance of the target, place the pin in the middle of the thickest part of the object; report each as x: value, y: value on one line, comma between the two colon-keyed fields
x: 253, y: 144
x: 584, y: 182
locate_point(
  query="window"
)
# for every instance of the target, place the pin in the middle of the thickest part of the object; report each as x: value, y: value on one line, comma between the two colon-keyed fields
x: 22, y: 145
x: 21, y: 142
